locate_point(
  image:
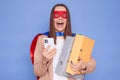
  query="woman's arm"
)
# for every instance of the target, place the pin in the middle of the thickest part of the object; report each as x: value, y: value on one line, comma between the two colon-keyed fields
x: 40, y: 65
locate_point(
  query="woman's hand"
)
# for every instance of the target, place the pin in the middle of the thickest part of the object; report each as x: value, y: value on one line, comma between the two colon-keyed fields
x: 80, y: 66
x: 48, y: 54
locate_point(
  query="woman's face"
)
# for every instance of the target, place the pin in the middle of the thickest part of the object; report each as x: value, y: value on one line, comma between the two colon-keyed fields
x: 60, y: 18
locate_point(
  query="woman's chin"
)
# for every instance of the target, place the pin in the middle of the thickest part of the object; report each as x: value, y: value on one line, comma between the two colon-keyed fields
x: 60, y: 30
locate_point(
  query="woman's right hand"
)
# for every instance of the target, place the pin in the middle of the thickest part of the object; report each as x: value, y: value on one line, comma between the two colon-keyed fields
x: 48, y: 54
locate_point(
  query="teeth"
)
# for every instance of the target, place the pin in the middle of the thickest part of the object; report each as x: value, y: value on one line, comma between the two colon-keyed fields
x: 59, y: 22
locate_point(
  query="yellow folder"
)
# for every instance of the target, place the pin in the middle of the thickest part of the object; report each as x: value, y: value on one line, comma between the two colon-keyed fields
x: 82, y: 48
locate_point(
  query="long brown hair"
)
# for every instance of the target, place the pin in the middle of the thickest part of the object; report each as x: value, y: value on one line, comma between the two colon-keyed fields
x: 52, y: 27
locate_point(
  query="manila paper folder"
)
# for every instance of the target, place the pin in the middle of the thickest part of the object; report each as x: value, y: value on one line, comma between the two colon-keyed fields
x: 82, y: 48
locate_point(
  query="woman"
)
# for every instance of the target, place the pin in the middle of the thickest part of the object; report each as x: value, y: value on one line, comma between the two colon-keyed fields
x: 45, y: 60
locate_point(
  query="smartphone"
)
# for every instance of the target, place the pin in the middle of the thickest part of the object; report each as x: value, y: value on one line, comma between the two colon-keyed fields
x: 49, y: 41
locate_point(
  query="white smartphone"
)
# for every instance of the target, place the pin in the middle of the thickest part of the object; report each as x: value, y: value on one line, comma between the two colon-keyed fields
x: 49, y: 41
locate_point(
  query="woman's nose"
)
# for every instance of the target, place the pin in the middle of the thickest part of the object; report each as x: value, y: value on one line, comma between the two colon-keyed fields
x: 60, y: 17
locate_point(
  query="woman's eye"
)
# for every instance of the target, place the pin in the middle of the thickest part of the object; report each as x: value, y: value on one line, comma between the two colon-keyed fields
x: 56, y: 15
x: 64, y: 15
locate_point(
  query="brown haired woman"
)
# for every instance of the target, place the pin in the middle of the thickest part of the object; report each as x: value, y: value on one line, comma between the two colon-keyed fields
x: 45, y: 60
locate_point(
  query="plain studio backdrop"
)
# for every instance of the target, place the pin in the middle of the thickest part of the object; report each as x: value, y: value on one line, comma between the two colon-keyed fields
x: 21, y: 20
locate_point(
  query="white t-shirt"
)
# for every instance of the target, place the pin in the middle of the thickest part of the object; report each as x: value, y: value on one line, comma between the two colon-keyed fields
x: 58, y: 46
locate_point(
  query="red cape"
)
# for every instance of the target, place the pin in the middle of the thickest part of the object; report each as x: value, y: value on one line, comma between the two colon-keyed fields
x: 32, y: 47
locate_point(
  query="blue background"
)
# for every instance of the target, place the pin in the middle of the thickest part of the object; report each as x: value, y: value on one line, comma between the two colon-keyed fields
x: 21, y: 20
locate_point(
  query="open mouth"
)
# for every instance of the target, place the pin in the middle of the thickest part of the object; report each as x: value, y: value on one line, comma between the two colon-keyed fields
x: 60, y: 23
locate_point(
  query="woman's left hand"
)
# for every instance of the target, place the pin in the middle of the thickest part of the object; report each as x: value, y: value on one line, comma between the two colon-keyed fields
x: 80, y: 66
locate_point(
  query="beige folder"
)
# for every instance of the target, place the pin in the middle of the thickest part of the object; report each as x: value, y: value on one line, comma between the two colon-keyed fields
x: 82, y: 48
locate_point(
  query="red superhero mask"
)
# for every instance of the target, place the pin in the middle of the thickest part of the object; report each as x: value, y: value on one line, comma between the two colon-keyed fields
x: 62, y: 14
